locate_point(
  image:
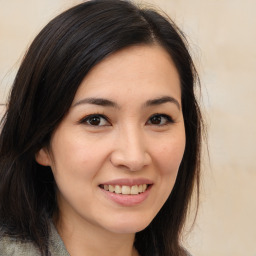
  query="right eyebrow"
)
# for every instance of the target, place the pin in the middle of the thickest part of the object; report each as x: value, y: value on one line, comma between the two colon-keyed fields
x: 162, y: 100
x: 96, y: 101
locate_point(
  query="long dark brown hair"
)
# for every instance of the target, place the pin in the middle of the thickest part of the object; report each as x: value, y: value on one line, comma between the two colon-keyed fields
x: 52, y: 70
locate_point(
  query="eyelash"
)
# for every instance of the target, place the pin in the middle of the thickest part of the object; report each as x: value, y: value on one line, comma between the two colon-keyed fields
x: 86, y: 120
x: 168, y: 119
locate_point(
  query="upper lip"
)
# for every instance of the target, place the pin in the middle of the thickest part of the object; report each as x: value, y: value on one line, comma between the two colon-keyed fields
x: 128, y: 182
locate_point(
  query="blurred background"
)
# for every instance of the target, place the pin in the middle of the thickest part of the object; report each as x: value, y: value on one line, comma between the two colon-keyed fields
x: 222, y: 36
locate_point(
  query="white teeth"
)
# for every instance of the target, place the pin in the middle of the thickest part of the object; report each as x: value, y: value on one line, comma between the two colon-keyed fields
x: 118, y: 189
x: 126, y: 190
x: 134, y: 190
x: 111, y: 188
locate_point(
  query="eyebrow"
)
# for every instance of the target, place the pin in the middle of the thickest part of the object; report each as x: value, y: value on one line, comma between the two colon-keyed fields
x: 162, y: 100
x: 108, y: 103
x: 97, y: 101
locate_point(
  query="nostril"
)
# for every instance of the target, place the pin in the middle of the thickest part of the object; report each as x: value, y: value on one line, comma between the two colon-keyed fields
x: 130, y: 161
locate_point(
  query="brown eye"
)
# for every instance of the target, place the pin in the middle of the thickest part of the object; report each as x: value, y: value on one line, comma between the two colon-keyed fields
x: 156, y: 120
x: 95, y: 120
x: 160, y: 119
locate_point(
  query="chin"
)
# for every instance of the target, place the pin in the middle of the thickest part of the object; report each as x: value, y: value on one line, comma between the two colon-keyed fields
x: 129, y: 226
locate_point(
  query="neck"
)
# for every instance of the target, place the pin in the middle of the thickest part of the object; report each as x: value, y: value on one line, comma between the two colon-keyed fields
x: 91, y: 240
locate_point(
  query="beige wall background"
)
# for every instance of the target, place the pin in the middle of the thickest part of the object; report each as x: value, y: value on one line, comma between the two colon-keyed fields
x: 222, y: 34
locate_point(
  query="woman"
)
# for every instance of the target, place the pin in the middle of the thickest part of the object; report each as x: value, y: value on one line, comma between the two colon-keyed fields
x: 100, y: 144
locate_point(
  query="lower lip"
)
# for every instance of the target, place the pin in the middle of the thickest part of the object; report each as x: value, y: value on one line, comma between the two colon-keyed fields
x: 127, y: 200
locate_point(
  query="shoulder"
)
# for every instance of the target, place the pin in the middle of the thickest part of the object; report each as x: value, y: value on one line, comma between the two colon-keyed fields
x: 10, y: 246
x: 188, y: 254
x: 56, y: 245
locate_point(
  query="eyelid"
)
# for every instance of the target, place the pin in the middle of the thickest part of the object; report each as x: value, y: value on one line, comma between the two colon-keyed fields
x: 166, y: 116
x: 85, y: 119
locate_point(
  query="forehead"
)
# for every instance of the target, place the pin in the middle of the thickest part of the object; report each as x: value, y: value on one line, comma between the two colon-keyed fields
x: 134, y: 72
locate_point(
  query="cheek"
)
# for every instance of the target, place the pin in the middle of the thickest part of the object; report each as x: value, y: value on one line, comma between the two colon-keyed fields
x: 169, y: 155
x: 76, y: 153
x: 167, y: 158
x: 72, y: 165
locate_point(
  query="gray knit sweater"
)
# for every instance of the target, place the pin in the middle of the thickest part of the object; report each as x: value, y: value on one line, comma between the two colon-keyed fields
x: 13, y: 247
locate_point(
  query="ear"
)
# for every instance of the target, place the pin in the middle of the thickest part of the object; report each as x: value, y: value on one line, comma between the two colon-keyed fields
x: 42, y: 157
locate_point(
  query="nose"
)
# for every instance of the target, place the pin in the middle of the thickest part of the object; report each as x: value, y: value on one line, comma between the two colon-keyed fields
x: 130, y: 151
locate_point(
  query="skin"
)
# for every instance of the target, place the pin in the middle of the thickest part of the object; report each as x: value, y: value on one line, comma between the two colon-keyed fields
x: 126, y: 144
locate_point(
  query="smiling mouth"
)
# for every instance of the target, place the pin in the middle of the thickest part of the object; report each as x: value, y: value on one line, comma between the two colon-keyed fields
x: 126, y: 190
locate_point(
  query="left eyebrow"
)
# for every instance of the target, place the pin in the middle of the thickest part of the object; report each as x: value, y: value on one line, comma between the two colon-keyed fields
x: 97, y: 101
x: 162, y: 100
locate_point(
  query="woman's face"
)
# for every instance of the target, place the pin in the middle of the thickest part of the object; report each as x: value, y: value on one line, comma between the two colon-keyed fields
x: 116, y: 154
